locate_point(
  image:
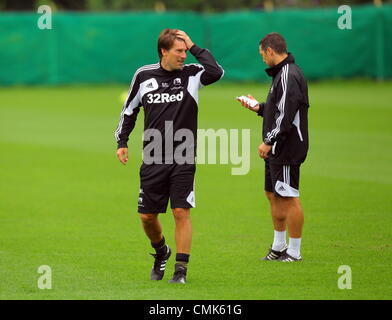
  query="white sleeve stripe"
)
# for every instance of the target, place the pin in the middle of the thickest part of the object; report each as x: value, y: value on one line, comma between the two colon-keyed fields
x: 194, y: 85
x: 200, y: 66
x: 281, y: 104
x: 223, y: 70
x: 146, y: 67
x: 195, y: 64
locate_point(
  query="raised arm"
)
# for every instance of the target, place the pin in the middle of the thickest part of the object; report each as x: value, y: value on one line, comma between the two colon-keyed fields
x: 212, y: 70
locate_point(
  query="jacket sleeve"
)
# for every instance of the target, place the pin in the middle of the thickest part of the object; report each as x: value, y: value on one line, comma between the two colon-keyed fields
x: 212, y: 70
x: 129, y: 113
x: 261, y: 109
x: 288, y: 103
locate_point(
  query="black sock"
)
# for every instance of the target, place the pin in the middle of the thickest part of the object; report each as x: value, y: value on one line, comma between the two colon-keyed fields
x: 160, y: 247
x: 182, y: 258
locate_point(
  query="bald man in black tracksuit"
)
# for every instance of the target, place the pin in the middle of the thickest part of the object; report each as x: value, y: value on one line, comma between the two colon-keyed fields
x: 285, y: 145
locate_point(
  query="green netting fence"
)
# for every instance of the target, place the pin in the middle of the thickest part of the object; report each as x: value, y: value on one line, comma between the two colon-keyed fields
x: 109, y: 47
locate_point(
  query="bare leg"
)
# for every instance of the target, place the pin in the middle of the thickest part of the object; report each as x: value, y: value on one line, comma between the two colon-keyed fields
x: 295, y: 218
x: 286, y: 211
x: 278, y: 216
x: 152, y: 227
x: 183, y: 229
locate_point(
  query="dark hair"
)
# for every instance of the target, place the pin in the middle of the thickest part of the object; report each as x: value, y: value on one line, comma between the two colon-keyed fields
x: 166, y: 40
x: 274, y: 41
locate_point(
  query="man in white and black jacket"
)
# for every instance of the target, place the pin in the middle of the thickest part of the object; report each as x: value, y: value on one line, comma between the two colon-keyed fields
x: 168, y: 93
x: 285, y: 144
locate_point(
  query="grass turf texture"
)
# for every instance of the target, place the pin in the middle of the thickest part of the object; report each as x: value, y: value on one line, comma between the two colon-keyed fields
x: 68, y: 203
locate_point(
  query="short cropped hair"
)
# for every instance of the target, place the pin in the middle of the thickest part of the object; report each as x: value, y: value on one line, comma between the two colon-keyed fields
x: 166, y: 40
x: 274, y: 41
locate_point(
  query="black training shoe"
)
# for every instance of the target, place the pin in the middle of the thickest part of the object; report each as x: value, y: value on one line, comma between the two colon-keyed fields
x: 158, y: 269
x: 274, y: 255
x: 179, y: 275
x: 287, y: 258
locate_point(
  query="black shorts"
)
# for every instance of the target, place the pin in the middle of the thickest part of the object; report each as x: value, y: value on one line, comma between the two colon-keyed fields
x: 159, y: 182
x: 283, y: 180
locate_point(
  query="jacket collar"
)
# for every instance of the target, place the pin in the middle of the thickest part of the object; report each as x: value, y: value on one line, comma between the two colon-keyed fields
x: 273, y: 71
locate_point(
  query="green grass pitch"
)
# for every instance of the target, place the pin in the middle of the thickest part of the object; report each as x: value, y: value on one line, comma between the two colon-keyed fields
x: 66, y: 201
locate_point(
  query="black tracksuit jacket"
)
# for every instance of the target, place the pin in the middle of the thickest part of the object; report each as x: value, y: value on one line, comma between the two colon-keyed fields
x: 285, y: 113
x: 167, y: 96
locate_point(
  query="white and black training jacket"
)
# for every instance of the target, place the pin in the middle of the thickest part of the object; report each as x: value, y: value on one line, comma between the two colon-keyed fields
x: 167, y: 97
x: 285, y: 113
